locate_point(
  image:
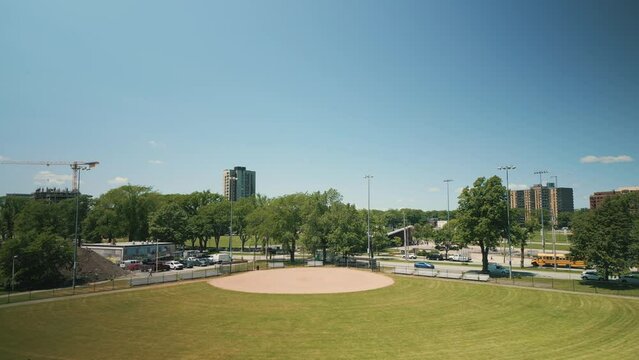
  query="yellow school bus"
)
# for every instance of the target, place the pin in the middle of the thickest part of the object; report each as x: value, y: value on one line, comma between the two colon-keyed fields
x: 545, y: 259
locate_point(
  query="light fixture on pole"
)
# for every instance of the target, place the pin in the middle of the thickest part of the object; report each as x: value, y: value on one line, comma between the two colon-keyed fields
x: 368, y: 231
x: 447, y: 181
x: 231, y: 179
x: 13, y: 272
x: 77, y: 169
x: 541, y: 207
x: 510, y: 247
x: 554, y: 225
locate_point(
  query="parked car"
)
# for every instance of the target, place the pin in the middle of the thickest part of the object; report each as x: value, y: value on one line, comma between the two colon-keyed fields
x: 150, y: 266
x: 434, y: 255
x: 632, y: 278
x: 175, y: 265
x: 498, y: 270
x: 460, y: 258
x: 203, y: 262
x: 424, y: 265
x: 131, y: 264
x: 221, y: 258
x: 410, y: 256
x: 591, y: 275
x: 187, y: 264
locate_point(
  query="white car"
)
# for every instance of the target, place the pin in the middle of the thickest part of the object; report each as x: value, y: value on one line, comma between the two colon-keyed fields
x: 410, y: 256
x: 591, y: 275
x: 175, y: 265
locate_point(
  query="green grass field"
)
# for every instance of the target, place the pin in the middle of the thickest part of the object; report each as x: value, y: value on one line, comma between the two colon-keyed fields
x: 413, y: 319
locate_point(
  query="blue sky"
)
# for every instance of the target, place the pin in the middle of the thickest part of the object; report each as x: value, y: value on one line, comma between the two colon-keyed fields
x: 317, y: 94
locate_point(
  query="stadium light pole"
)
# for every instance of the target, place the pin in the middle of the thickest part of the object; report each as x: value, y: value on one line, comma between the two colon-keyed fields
x: 13, y: 272
x: 554, y: 225
x: 78, y: 168
x: 232, y: 178
x: 447, y: 181
x: 370, y: 247
x: 510, y: 247
x: 541, y: 207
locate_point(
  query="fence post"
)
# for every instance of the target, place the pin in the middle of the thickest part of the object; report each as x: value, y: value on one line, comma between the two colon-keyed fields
x: 30, y: 294
x: 532, y: 278
x: 573, y: 285
x: 552, y: 283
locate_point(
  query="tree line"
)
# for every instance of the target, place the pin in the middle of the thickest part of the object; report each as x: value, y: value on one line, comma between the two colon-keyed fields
x: 40, y: 233
x: 315, y: 222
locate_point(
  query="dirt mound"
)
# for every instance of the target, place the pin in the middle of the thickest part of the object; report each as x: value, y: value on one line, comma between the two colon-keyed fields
x: 93, y: 267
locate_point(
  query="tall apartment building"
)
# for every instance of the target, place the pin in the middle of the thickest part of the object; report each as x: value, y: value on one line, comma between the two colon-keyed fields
x: 549, y: 197
x: 238, y: 183
x: 598, y: 198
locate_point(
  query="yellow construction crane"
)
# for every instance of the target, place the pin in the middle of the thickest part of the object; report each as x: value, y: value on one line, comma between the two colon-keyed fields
x: 76, y: 166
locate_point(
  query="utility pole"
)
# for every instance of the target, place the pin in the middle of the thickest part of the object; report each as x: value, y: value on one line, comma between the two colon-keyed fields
x: 554, y: 225
x: 370, y: 243
x: 510, y: 246
x: 541, y: 207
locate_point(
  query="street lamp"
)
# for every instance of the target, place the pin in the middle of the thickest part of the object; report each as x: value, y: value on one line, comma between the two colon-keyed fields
x: 232, y: 178
x: 541, y: 207
x: 78, y: 169
x: 13, y: 272
x: 447, y: 181
x: 368, y: 232
x: 554, y: 225
x: 510, y: 247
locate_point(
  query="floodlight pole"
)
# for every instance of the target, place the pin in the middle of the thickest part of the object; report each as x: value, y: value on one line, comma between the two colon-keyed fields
x: 447, y: 181
x: 510, y: 247
x: 554, y: 225
x: 368, y: 231
x: 541, y: 207
x: 231, y: 225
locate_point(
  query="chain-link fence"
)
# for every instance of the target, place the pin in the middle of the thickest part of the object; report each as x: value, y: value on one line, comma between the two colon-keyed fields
x: 611, y: 287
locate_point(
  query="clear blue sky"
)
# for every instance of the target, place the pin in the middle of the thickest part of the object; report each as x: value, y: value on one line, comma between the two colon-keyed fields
x: 317, y: 94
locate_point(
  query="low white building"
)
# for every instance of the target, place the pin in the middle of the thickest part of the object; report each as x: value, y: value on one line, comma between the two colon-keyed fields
x: 139, y: 250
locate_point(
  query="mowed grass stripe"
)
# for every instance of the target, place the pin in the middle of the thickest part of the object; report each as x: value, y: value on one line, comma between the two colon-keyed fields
x: 413, y: 319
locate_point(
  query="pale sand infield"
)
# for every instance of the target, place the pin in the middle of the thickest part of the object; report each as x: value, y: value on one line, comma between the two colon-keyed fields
x: 303, y: 281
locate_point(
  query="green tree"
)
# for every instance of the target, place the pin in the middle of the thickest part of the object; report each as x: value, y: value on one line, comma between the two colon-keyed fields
x: 10, y: 207
x: 260, y: 222
x: 40, y: 259
x: 445, y: 236
x: 241, y: 210
x: 423, y: 231
x: 481, y: 215
x: 288, y: 219
x: 169, y: 223
x: 347, y: 235
x: 317, y: 225
x: 608, y: 237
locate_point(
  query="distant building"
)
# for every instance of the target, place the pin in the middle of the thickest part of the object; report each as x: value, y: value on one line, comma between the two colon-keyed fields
x: 549, y: 197
x: 598, y: 198
x: 48, y: 194
x: 138, y: 250
x: 408, y: 230
x: 238, y: 183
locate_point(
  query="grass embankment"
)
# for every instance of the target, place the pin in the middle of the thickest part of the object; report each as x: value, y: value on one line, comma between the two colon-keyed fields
x: 413, y: 319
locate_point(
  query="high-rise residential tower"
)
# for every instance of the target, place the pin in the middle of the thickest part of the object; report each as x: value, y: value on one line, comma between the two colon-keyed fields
x: 549, y: 197
x: 238, y: 183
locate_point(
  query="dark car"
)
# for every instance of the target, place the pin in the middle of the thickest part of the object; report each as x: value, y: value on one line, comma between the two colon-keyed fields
x: 424, y: 265
x: 434, y: 256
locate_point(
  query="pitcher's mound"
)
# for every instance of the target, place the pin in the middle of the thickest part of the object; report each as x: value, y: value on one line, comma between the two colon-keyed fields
x: 303, y: 281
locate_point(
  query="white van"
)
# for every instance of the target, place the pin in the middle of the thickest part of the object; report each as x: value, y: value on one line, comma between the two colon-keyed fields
x: 220, y: 258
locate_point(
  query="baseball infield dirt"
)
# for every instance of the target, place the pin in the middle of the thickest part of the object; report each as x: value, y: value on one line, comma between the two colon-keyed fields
x: 303, y: 281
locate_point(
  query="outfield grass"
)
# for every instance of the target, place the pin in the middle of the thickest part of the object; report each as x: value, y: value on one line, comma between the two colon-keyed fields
x: 413, y: 319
